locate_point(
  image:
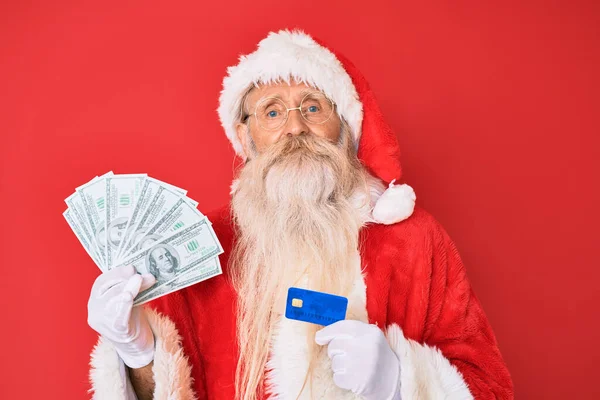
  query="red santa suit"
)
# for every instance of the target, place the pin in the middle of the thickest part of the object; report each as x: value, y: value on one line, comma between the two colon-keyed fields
x: 409, y: 281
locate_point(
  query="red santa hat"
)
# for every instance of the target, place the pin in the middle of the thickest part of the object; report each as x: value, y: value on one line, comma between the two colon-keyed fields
x: 287, y: 55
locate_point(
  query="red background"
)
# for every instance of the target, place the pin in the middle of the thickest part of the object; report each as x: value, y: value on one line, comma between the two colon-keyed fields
x: 496, y: 108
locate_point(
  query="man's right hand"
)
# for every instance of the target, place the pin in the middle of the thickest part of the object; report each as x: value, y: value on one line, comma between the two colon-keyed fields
x: 112, y: 315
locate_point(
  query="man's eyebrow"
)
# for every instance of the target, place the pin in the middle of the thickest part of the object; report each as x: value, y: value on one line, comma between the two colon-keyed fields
x: 303, y: 92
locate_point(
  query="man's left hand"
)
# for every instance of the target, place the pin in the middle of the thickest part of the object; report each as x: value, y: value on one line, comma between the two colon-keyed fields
x: 361, y: 359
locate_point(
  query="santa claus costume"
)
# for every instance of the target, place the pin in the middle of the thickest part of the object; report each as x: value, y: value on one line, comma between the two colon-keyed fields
x: 411, y: 281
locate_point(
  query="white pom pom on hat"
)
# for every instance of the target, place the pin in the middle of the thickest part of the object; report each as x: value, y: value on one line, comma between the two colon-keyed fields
x: 395, y: 204
x: 286, y: 55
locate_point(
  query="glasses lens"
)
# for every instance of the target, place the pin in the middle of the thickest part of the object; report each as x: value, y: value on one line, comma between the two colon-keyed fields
x: 316, y: 108
x: 271, y: 113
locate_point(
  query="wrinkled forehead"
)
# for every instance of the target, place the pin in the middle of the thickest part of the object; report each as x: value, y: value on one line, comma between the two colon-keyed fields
x: 158, y: 252
x: 290, y: 93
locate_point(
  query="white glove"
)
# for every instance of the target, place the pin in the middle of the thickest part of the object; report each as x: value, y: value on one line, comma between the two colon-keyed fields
x: 361, y: 359
x: 112, y: 315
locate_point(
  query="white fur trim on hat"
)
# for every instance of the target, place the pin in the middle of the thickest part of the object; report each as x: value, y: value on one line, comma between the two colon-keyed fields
x: 283, y: 56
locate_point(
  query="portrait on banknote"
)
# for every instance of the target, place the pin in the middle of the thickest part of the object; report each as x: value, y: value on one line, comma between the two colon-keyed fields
x: 162, y: 261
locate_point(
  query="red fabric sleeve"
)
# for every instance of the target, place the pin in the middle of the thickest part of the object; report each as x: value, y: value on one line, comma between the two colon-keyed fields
x: 176, y: 307
x: 457, y: 325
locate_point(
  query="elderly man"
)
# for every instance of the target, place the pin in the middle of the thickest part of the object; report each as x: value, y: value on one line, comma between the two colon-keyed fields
x: 309, y: 209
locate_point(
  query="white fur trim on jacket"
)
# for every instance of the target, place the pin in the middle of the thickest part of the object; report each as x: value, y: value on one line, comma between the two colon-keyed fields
x: 172, y: 372
x: 424, y: 372
x: 288, y: 361
x: 280, y: 56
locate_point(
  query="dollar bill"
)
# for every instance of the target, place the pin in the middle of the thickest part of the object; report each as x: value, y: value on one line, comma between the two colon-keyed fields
x: 182, y: 214
x: 77, y: 213
x: 204, y: 271
x: 147, y: 193
x: 177, y: 254
x: 83, y: 239
x: 135, y: 219
x: 194, y: 203
x: 162, y: 201
x: 122, y: 192
x: 93, y: 196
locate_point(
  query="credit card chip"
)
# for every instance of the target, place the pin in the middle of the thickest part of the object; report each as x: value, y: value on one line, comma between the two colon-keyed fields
x: 297, y: 303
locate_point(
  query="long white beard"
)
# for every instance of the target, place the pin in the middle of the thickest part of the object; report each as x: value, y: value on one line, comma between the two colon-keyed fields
x: 297, y: 225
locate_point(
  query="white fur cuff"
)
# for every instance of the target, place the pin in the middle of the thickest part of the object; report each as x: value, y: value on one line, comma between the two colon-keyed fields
x: 172, y: 372
x: 425, y: 372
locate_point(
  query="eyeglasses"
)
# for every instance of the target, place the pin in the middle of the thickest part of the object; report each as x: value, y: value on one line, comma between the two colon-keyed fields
x: 271, y: 113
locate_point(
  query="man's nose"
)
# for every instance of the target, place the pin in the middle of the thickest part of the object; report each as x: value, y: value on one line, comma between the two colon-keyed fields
x: 296, y: 124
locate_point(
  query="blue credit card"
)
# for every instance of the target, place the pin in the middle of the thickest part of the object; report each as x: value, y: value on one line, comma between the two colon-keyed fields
x: 315, y: 307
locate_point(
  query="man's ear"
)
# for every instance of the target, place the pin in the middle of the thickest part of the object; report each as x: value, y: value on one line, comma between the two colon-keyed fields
x: 241, y: 132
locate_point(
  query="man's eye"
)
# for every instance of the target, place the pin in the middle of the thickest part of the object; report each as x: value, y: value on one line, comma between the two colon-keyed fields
x: 272, y: 114
x: 313, y: 109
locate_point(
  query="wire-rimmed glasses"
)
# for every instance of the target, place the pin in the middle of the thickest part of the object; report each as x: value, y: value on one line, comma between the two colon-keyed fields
x: 271, y: 113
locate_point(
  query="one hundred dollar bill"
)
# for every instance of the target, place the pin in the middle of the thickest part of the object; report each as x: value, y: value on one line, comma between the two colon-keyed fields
x: 177, y: 254
x: 147, y: 193
x: 77, y: 213
x: 182, y: 214
x: 164, y: 233
x: 122, y: 192
x: 87, y: 245
x: 204, y: 271
x: 164, y: 198
x: 93, y: 196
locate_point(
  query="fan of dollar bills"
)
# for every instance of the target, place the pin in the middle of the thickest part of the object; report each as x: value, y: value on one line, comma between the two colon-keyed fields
x: 137, y: 220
